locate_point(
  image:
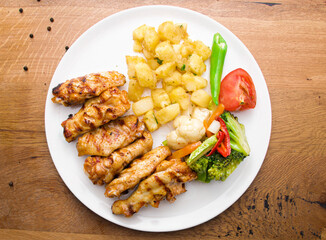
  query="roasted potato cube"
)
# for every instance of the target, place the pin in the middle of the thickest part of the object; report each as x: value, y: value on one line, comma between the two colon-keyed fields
x: 137, y: 46
x: 148, y: 54
x: 131, y: 62
x: 153, y: 63
x: 192, y: 83
x: 160, y: 98
x: 196, y: 64
x: 201, y: 98
x: 165, y: 69
x: 180, y: 96
x: 138, y: 33
x: 142, y: 106
x: 167, y: 88
x: 134, y: 90
x: 176, y: 48
x: 150, y: 121
x: 151, y: 39
x: 182, y: 64
x: 168, y: 113
x: 202, y: 50
x: 175, y: 79
x: 145, y: 75
x: 172, y: 32
x: 165, y: 52
x: 187, y: 48
x: 200, y: 82
x: 182, y: 29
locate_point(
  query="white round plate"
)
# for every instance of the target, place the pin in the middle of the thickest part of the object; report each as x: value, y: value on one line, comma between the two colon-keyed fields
x: 104, y: 47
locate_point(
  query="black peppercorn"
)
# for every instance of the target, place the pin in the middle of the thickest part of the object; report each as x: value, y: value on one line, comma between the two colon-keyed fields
x: 51, y: 20
x: 49, y: 28
x: 66, y: 48
x: 31, y: 35
x: 25, y: 68
x: 11, y: 184
x: 21, y: 10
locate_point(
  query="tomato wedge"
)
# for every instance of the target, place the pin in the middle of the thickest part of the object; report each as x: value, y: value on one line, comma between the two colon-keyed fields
x: 238, y: 91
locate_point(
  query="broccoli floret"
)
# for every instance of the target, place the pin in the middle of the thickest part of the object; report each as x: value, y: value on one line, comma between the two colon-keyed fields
x: 200, y: 167
x: 237, y: 133
x: 222, y: 167
x: 216, y: 166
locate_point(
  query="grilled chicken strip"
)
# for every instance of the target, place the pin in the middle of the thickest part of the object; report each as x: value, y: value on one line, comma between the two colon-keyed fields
x: 111, y: 136
x: 167, y: 182
x: 110, y: 105
x: 138, y: 170
x: 78, y: 90
x: 103, y: 169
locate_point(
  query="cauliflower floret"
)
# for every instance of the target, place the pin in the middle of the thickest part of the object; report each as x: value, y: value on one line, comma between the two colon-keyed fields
x: 175, y: 141
x: 180, y: 120
x: 188, y: 130
x: 201, y: 113
x: 192, y: 130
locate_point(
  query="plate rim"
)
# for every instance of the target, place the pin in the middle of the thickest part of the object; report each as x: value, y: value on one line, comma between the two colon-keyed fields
x: 244, y: 188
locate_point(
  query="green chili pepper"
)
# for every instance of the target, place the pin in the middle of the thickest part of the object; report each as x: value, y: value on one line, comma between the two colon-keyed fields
x: 207, y: 145
x: 219, y: 50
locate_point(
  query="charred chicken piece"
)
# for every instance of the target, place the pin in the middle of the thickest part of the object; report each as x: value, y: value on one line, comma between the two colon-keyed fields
x: 138, y: 170
x: 103, y: 169
x: 110, y: 137
x: 167, y: 182
x: 110, y: 105
x: 78, y: 90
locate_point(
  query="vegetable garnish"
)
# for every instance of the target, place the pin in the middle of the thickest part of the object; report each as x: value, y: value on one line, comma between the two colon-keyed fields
x: 208, y: 134
x: 220, y: 137
x: 159, y: 61
x: 223, y: 140
x: 238, y: 91
x: 225, y: 148
x: 185, y: 151
x: 214, y: 127
x: 219, y: 50
x: 207, y: 145
x: 229, y: 150
x: 218, y: 111
x: 236, y: 130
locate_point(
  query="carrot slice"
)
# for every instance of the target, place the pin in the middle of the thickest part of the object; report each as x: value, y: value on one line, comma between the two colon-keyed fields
x: 208, y: 133
x: 185, y: 151
x: 218, y: 111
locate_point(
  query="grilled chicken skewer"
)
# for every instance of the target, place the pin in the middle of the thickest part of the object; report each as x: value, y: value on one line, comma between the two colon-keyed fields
x: 78, y: 90
x: 111, y: 136
x: 103, y: 169
x: 110, y: 105
x: 167, y: 182
x: 138, y: 170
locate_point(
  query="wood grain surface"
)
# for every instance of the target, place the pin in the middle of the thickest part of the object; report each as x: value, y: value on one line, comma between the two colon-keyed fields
x: 287, y: 200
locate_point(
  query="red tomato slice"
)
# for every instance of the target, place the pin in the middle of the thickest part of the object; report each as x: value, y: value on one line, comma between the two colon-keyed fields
x: 238, y: 91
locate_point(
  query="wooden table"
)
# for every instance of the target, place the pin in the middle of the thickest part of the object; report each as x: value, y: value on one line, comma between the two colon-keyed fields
x: 287, y: 200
